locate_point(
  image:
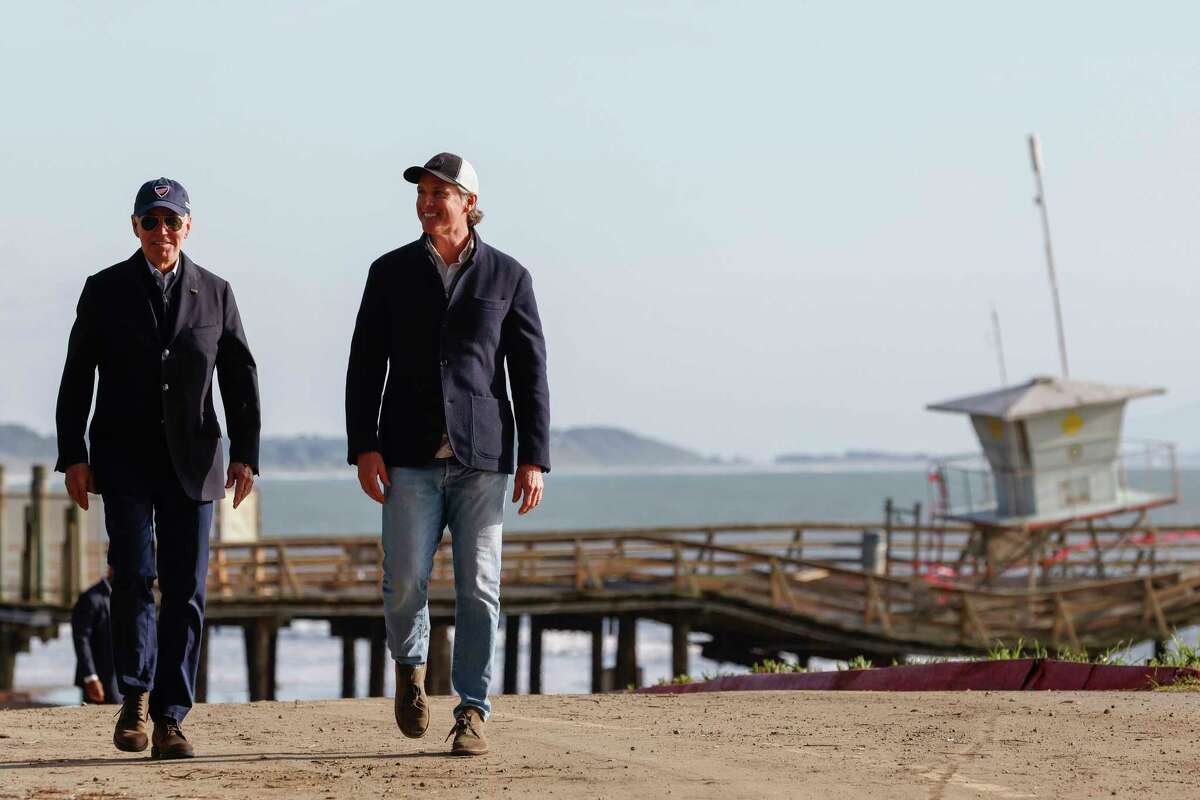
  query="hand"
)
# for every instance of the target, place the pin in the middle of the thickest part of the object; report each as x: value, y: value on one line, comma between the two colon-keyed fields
x: 372, y: 470
x: 241, y: 476
x: 528, y: 487
x: 93, y: 690
x: 79, y: 482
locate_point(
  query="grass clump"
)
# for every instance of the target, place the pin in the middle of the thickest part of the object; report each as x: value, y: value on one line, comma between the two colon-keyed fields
x: 1003, y: 652
x: 860, y: 662
x: 678, y: 680
x: 771, y: 667
x: 1178, y: 655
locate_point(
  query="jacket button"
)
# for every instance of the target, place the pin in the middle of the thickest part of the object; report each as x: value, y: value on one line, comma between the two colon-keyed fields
x: 166, y: 353
x: 445, y: 362
x: 166, y: 387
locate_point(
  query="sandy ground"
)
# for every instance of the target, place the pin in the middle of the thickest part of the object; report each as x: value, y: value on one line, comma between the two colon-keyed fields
x: 733, y: 745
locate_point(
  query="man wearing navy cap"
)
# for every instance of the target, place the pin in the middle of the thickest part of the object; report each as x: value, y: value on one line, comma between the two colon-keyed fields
x: 441, y: 318
x: 155, y: 328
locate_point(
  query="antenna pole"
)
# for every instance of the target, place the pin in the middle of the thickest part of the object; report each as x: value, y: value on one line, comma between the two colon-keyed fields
x: 1035, y: 155
x: 999, y: 347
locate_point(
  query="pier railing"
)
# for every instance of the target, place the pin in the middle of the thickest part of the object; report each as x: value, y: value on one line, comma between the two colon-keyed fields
x: 772, y: 574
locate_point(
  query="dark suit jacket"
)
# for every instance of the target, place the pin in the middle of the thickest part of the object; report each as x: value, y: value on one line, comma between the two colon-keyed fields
x: 92, y: 634
x: 157, y: 386
x: 444, y: 361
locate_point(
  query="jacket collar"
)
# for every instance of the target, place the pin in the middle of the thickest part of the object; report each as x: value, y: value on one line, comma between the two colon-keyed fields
x: 189, y: 288
x: 480, y: 254
x: 189, y: 276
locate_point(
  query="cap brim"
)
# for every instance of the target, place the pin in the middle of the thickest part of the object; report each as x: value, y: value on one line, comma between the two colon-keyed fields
x: 414, y: 174
x: 141, y: 210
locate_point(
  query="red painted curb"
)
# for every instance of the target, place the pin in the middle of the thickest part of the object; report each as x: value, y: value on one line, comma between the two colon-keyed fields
x: 951, y: 676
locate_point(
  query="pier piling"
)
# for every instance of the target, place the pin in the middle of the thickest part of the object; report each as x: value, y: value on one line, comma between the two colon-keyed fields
x: 627, y: 668
x: 679, y: 648
x: 535, y: 655
x: 437, y: 670
x: 375, y: 674
x: 598, y: 656
x: 512, y: 649
x: 261, y: 637
x: 349, y: 666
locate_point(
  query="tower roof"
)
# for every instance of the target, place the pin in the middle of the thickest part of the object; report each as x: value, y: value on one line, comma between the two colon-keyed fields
x: 1039, y: 396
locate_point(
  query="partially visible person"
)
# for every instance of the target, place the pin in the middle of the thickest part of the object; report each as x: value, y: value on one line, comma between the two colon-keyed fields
x: 92, y: 634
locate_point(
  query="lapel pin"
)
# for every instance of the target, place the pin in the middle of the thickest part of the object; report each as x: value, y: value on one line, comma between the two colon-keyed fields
x: 193, y: 290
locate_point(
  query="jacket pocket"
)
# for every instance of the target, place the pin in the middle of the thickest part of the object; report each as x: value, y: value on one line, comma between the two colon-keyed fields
x: 492, y: 303
x: 487, y: 427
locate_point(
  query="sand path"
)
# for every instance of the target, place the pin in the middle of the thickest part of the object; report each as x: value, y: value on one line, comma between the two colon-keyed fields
x: 753, y: 744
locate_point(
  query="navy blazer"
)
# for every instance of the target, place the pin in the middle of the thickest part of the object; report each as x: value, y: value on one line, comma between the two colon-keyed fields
x: 157, y: 386
x: 444, y: 361
x: 92, y: 634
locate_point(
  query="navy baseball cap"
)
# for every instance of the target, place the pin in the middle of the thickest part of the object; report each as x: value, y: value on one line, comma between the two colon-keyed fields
x: 448, y: 167
x: 162, y: 193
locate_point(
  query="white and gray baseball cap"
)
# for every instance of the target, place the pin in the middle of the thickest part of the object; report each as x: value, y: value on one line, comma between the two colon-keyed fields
x: 450, y: 168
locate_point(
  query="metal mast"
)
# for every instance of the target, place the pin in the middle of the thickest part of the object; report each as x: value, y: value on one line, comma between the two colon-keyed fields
x: 1035, y: 155
x: 999, y: 347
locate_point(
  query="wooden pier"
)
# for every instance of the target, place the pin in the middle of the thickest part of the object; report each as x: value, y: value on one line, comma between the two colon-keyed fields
x: 746, y: 592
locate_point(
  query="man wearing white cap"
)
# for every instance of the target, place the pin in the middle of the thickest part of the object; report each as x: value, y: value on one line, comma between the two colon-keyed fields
x: 440, y: 320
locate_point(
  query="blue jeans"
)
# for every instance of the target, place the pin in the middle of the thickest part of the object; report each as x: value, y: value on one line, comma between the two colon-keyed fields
x: 159, y: 533
x: 420, y: 504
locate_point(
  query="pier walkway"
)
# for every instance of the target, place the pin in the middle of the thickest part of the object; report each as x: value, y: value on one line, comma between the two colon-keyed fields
x: 835, y: 590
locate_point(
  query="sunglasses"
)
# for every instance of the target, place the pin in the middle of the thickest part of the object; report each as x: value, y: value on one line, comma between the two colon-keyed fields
x: 149, y: 223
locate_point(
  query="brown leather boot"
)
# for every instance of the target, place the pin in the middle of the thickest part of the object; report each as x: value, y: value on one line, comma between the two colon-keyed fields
x: 169, y: 741
x: 130, y: 733
x: 468, y: 734
x: 412, y: 706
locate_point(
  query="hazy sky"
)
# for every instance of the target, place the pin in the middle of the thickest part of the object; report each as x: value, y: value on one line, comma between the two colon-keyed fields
x: 753, y: 227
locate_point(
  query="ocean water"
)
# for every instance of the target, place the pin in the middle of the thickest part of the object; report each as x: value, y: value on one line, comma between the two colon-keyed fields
x: 309, y: 660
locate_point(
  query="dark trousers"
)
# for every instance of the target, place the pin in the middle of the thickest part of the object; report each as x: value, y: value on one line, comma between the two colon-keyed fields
x: 160, y: 658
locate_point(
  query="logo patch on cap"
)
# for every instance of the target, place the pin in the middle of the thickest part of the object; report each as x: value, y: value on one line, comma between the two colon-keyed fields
x: 162, y: 190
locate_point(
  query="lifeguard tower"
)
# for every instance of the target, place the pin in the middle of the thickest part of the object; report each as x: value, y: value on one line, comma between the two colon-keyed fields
x: 1052, y: 458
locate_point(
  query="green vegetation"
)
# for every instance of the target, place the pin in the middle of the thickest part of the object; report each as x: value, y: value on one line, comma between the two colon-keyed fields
x: 1178, y: 655
x: 771, y: 666
x: 1002, y: 652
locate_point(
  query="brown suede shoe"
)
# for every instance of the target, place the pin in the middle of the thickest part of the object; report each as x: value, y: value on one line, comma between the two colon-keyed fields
x: 130, y: 733
x: 412, y: 706
x: 468, y: 734
x: 169, y: 741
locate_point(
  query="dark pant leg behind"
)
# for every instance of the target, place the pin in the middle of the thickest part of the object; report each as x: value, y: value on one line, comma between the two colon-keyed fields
x: 183, y: 528
x: 129, y: 521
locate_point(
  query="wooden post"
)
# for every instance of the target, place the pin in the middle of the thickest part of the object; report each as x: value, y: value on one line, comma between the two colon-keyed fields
x: 32, y: 579
x: 72, y: 554
x: 679, y: 648
x: 626, y: 652
x: 202, y: 668
x: 4, y: 590
x: 437, y: 664
x: 887, y: 534
x: 535, y: 655
x: 260, y: 636
x: 349, y: 666
x: 598, y: 656
x: 512, y: 650
x: 9, y: 645
x: 375, y: 672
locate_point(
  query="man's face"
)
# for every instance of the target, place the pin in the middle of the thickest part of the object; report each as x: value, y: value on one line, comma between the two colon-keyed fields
x: 442, y: 207
x: 161, y: 244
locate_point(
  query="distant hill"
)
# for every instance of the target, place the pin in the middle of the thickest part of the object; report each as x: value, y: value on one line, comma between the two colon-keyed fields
x: 854, y: 457
x: 616, y: 447
x: 570, y: 448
